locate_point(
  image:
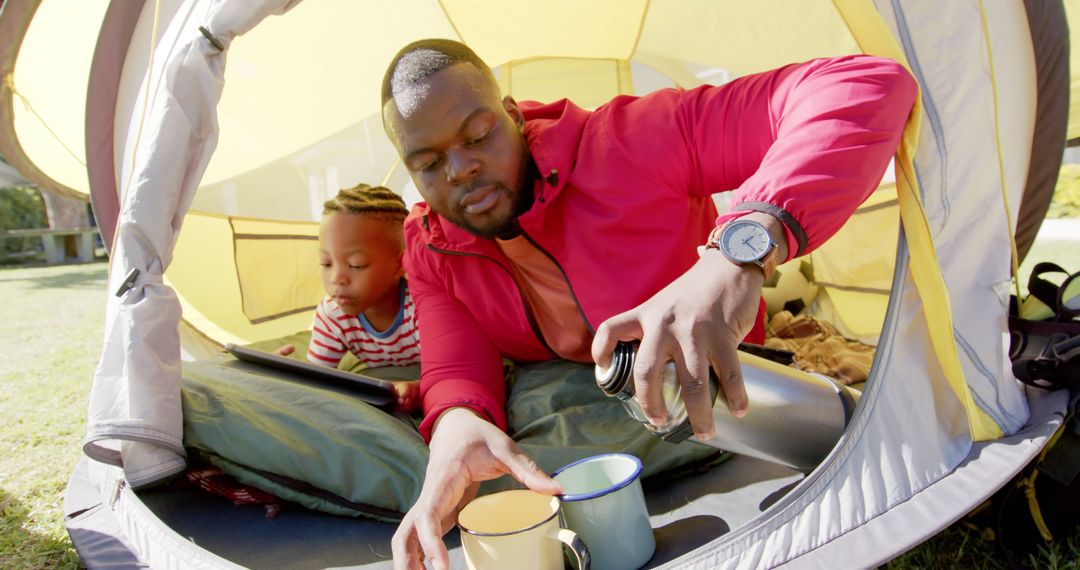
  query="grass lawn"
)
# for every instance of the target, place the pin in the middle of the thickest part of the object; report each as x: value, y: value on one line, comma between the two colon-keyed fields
x: 51, y: 332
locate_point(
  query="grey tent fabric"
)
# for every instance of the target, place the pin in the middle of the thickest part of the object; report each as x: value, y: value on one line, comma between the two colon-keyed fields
x: 116, y: 33
x: 1050, y: 40
x: 94, y: 531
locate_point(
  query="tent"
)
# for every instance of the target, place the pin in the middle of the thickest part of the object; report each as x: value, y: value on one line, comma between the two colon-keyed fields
x: 211, y: 130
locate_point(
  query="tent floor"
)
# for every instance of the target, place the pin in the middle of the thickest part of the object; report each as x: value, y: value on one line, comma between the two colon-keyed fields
x: 685, y: 514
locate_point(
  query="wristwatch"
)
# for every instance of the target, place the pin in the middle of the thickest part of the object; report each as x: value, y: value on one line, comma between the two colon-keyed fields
x: 745, y: 242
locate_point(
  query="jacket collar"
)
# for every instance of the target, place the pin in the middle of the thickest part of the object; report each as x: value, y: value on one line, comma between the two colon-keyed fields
x: 553, y: 133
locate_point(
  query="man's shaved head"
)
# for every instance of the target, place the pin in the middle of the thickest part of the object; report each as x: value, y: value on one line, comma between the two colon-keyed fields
x: 404, y: 81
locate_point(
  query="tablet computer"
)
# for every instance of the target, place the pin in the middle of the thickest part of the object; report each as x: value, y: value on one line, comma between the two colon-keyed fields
x: 378, y: 393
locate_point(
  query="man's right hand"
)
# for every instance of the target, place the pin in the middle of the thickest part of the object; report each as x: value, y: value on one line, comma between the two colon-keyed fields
x: 465, y: 450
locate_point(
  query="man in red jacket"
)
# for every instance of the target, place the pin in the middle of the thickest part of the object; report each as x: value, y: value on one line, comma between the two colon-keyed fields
x: 550, y: 232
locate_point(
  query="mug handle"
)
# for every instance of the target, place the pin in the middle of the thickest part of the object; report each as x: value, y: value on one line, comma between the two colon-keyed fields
x: 581, y: 552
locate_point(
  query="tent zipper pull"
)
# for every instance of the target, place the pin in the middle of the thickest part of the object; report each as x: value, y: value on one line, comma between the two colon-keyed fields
x: 210, y: 38
x: 116, y: 494
x: 129, y: 282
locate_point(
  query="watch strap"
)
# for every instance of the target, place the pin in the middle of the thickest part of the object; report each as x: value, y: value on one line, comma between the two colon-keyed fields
x: 771, y: 260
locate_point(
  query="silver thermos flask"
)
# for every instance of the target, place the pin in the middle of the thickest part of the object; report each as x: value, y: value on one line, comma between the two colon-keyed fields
x: 795, y: 418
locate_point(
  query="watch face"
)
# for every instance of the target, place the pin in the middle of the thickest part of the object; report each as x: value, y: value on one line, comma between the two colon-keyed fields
x: 745, y: 240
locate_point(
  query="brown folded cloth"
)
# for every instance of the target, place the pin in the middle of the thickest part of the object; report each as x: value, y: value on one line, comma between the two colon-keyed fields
x: 818, y: 347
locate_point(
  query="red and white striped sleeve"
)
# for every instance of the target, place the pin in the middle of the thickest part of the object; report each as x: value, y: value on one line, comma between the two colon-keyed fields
x: 327, y: 345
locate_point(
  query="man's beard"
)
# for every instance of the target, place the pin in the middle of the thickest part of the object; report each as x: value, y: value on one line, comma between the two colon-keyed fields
x: 522, y: 201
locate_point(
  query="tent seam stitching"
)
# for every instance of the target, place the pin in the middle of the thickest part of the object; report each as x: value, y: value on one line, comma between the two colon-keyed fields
x: 932, y: 114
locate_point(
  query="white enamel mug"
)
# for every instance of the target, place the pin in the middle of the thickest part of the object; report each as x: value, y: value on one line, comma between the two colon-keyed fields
x: 517, y: 530
x: 603, y: 503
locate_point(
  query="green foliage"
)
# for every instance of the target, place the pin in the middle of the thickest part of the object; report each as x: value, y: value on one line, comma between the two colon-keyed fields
x: 20, y: 208
x: 1066, y: 200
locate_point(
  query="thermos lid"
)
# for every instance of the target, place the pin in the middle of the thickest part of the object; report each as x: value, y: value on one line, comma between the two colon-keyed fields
x: 616, y: 379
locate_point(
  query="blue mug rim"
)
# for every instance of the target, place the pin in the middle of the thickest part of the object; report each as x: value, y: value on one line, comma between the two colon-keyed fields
x: 572, y: 497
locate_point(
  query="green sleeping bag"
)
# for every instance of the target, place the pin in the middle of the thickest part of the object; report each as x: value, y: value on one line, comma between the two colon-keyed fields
x: 324, y: 448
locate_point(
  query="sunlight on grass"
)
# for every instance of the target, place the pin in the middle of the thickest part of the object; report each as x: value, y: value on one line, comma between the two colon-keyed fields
x: 52, y: 327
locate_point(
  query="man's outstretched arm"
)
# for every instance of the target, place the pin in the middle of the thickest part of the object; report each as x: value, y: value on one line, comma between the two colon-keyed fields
x: 465, y: 450
x: 464, y: 393
x: 802, y: 146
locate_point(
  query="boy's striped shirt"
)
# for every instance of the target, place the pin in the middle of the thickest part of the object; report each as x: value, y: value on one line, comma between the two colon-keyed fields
x: 334, y: 332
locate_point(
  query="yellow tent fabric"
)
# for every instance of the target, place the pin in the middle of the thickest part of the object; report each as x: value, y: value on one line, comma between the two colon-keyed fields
x: 241, y: 279
x: 852, y: 270
x: 276, y: 67
x: 50, y: 127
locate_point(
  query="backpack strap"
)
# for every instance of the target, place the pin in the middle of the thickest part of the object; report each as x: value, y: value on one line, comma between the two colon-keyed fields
x: 1059, y: 460
x: 1061, y: 299
x: 1046, y: 353
x: 1040, y: 288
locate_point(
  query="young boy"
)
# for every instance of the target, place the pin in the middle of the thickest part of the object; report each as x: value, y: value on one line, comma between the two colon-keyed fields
x: 367, y: 309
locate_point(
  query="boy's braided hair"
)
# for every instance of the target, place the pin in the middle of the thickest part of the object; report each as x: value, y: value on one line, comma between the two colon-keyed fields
x: 380, y: 201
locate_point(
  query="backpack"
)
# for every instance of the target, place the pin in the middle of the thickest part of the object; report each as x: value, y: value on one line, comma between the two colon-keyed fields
x: 1045, y: 353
